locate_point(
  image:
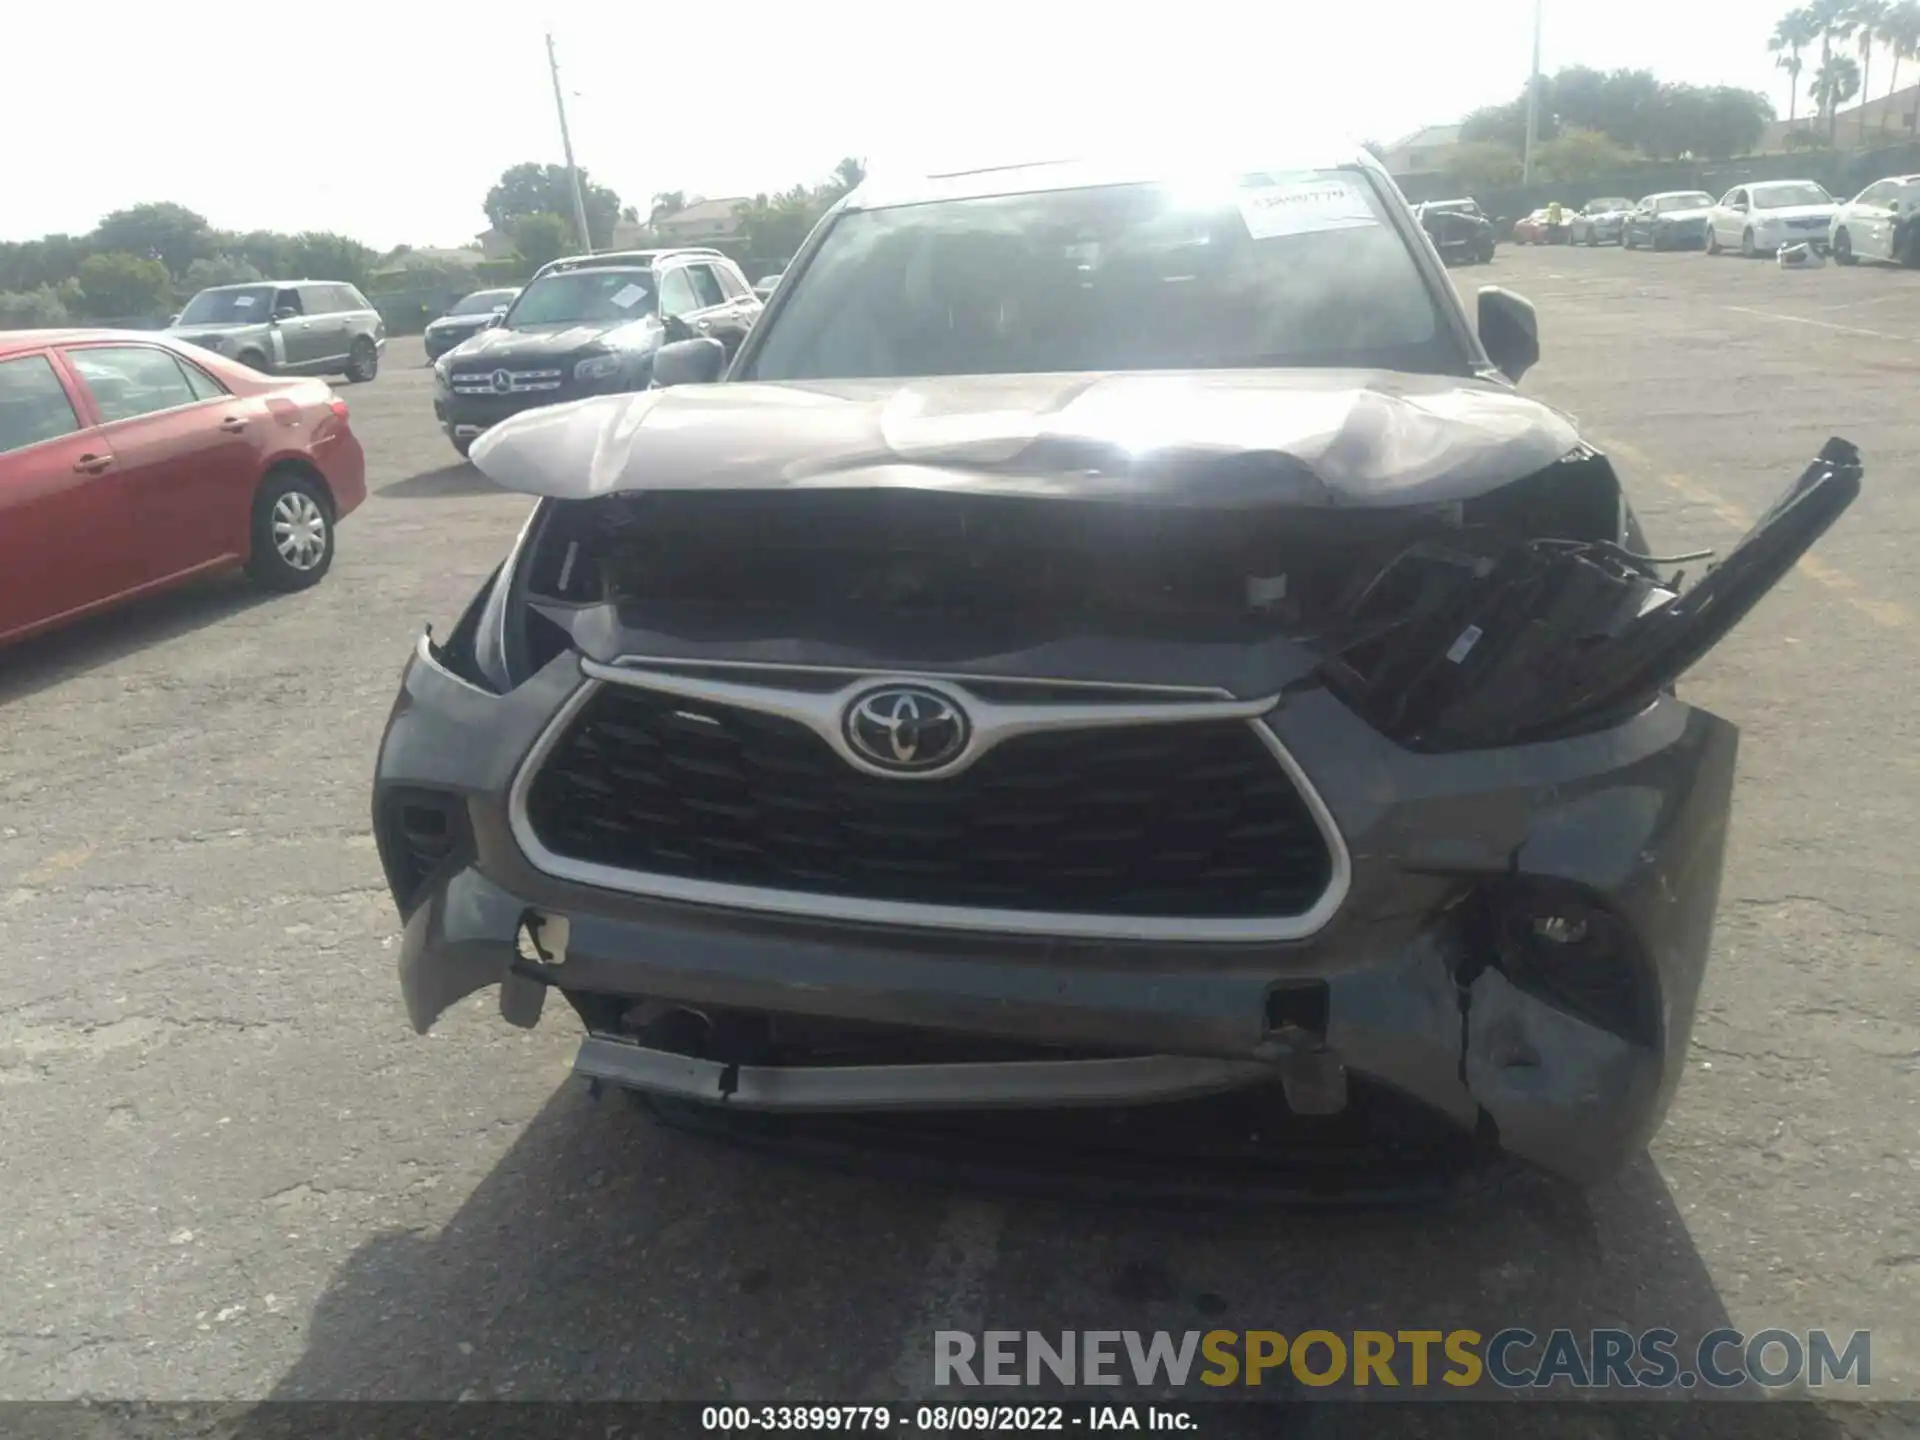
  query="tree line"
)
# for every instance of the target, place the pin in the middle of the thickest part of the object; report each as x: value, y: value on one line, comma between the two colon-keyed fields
x: 532, y: 207
x: 1592, y: 123
x: 139, y: 262
x: 146, y: 260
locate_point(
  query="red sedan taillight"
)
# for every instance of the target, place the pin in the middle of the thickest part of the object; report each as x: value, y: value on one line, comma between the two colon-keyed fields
x: 339, y: 408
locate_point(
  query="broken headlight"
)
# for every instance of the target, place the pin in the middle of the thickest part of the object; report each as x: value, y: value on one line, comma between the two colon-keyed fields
x: 487, y: 647
x: 1481, y: 640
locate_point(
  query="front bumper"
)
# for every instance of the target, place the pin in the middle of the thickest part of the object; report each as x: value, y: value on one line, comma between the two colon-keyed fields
x: 466, y: 417
x: 1635, y: 817
x: 1680, y: 235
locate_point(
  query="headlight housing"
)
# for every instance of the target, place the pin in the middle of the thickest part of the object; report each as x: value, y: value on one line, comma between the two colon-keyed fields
x: 440, y: 374
x: 499, y: 646
x: 597, y: 367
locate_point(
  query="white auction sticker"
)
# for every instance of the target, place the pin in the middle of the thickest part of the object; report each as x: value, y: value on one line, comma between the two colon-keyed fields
x: 1302, y: 207
x: 629, y: 295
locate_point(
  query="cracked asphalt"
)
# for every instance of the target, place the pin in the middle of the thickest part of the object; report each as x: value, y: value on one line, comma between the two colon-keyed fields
x: 231, y: 1171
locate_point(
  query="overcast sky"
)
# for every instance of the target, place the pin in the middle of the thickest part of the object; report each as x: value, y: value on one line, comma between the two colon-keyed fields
x: 390, y: 121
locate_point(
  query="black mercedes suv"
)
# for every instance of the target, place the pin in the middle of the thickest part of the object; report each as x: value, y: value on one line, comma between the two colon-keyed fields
x: 589, y: 325
x: 1108, y: 641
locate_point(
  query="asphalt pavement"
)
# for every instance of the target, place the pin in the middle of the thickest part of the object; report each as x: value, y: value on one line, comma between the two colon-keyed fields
x: 232, y: 1171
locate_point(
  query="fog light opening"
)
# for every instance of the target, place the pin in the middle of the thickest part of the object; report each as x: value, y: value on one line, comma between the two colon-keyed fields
x: 1565, y: 946
x: 1298, y: 1006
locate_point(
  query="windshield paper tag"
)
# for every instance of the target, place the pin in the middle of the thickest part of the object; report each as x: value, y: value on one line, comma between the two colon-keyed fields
x: 1302, y: 208
x: 629, y: 296
x: 242, y: 302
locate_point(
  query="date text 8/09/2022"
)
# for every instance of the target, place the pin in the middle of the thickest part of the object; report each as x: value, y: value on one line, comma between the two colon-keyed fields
x: 987, y: 1419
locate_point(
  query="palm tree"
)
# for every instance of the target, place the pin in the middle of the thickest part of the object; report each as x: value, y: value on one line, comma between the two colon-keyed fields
x: 849, y: 173
x: 1900, y: 33
x: 1834, y: 83
x: 1831, y: 20
x: 1792, y: 34
x: 667, y: 202
x: 1867, y: 14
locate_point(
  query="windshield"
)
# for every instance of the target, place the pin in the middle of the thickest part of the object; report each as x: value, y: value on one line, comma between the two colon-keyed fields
x: 1777, y: 197
x: 1696, y: 200
x: 584, y: 297
x: 1607, y: 205
x: 245, y: 305
x: 483, y: 302
x: 1301, y: 269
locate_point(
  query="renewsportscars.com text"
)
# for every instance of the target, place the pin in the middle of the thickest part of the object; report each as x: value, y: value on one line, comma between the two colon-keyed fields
x: 1510, y: 1359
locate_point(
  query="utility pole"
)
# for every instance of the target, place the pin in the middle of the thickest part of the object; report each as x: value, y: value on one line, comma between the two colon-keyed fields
x: 1533, y: 103
x: 573, y: 171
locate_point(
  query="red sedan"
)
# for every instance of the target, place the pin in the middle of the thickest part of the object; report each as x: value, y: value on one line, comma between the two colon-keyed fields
x: 130, y: 463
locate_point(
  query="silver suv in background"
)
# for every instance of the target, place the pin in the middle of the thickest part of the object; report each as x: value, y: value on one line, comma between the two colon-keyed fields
x: 287, y: 327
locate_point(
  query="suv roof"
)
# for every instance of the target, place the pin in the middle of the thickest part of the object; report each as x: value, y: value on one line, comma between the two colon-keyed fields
x: 256, y: 284
x: 620, y: 259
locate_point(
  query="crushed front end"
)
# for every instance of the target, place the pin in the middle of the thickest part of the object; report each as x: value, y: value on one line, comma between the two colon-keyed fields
x: 910, y: 797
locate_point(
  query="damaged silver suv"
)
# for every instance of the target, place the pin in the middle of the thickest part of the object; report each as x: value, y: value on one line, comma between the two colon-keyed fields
x: 1105, y: 642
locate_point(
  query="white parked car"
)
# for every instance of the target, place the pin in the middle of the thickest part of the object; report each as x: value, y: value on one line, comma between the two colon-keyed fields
x: 1758, y: 219
x: 1882, y: 222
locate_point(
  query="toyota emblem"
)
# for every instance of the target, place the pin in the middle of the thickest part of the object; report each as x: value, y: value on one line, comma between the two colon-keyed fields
x: 502, y: 381
x: 906, y: 729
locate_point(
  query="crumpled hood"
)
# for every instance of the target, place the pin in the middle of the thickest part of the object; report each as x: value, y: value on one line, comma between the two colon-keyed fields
x: 1215, y: 439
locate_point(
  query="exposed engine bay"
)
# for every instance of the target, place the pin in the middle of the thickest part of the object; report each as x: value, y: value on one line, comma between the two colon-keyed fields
x: 1525, y: 613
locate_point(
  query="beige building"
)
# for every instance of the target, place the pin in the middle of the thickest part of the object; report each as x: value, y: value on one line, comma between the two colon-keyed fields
x: 1891, y: 119
x: 1423, y: 152
x: 705, y: 222
x: 627, y: 235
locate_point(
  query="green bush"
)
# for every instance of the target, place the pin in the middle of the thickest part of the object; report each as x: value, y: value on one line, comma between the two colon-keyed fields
x: 509, y: 271
x: 118, y: 285
x: 36, y: 309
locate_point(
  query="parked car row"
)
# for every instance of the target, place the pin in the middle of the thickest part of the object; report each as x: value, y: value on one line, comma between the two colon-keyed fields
x: 1757, y: 219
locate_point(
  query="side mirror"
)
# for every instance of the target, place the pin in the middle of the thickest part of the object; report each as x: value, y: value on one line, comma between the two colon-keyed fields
x: 1509, y: 331
x: 173, y: 319
x: 495, y: 321
x: 688, y: 362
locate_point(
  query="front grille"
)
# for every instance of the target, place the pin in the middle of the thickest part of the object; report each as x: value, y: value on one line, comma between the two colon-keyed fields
x: 1180, y: 820
x: 517, y: 382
